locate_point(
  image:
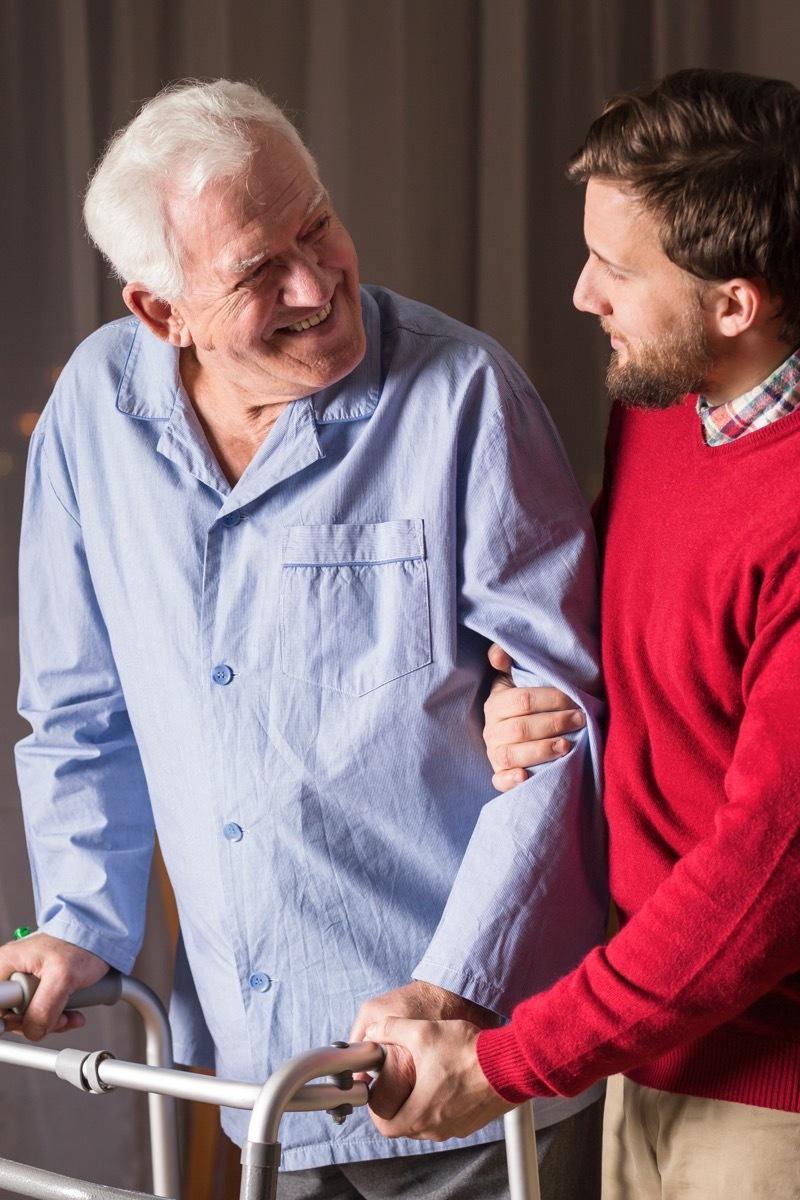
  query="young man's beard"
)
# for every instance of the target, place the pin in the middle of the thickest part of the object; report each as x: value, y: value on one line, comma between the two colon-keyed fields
x: 663, y: 370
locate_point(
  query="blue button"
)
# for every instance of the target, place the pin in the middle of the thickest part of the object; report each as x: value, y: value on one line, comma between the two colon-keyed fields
x: 222, y: 674
x: 233, y: 832
x: 231, y: 519
x: 260, y: 983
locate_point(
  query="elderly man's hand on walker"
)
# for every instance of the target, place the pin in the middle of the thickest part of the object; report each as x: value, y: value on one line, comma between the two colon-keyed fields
x: 450, y: 1095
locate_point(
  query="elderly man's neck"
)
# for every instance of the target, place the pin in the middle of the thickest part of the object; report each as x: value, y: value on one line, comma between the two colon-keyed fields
x: 234, y: 426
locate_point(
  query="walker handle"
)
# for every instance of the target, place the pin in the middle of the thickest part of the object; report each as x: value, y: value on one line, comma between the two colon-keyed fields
x: 106, y: 991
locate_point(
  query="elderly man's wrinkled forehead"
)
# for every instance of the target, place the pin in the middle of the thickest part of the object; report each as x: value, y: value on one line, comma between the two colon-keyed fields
x: 275, y: 180
x: 262, y: 160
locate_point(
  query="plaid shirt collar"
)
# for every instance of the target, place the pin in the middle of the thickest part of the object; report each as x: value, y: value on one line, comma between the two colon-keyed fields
x: 776, y: 397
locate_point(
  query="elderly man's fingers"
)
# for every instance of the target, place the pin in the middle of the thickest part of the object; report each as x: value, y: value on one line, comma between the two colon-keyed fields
x: 393, y: 1031
x: 417, y: 999
x: 45, y: 1013
x: 451, y: 1096
x: 394, y: 1085
x: 71, y: 1019
x: 61, y: 969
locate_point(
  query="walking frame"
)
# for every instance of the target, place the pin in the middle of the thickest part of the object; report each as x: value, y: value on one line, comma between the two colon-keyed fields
x: 288, y: 1089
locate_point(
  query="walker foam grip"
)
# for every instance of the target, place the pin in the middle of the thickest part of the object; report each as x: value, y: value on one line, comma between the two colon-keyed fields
x: 106, y: 991
x: 29, y: 984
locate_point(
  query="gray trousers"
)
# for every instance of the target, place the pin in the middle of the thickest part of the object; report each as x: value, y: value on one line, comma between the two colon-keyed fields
x: 569, y: 1169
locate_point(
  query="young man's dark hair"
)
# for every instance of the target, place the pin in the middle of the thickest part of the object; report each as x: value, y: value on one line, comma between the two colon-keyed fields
x: 715, y: 156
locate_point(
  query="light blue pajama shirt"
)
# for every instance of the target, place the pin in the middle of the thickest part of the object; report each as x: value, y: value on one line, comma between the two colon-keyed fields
x: 286, y: 679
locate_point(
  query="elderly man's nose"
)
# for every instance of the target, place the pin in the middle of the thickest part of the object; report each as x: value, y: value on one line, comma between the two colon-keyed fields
x: 305, y: 283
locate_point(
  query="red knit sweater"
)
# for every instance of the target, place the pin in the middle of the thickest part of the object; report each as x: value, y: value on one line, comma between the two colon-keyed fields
x: 699, y: 992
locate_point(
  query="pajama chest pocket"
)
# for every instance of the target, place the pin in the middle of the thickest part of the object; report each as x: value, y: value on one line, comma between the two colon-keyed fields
x: 354, y: 604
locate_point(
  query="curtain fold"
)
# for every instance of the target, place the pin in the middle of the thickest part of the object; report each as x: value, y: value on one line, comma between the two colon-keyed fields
x: 506, y: 203
x: 78, y: 145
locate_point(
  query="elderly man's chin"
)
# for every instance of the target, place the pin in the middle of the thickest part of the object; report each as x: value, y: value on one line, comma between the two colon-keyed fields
x: 317, y: 361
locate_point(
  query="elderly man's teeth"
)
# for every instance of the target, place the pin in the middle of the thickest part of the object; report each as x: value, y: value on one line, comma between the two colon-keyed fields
x: 308, y: 322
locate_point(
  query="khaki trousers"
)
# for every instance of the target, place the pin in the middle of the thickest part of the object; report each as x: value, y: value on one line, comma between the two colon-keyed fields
x: 660, y: 1146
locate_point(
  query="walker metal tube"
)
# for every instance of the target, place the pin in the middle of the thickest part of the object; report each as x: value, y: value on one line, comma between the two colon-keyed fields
x: 184, y: 1085
x: 10, y: 994
x: 47, y: 1185
x: 23, y: 1054
x: 226, y: 1093
x: 523, y: 1165
x: 161, y: 1108
x: 275, y: 1095
x: 261, y: 1151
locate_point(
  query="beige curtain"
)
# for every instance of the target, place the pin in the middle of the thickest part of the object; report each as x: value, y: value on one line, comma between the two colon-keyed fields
x: 441, y: 128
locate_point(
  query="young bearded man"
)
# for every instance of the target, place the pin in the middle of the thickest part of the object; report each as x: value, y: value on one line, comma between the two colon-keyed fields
x: 693, y: 232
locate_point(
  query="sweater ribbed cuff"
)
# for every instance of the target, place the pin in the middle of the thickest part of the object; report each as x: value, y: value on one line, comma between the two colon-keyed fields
x: 505, y: 1067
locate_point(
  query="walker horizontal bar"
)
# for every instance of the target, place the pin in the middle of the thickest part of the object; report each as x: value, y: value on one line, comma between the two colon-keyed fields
x: 185, y: 1085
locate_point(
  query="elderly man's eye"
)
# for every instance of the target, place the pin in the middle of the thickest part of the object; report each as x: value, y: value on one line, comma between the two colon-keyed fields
x: 256, y: 273
x: 319, y: 226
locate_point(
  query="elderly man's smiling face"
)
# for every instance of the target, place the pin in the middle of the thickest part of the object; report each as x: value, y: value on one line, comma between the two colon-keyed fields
x: 271, y: 309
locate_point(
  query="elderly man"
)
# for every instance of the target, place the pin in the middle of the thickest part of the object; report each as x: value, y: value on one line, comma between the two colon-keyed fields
x: 692, y: 225
x: 272, y: 522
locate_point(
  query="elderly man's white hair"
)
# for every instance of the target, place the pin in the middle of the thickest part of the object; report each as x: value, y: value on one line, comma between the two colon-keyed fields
x: 188, y: 136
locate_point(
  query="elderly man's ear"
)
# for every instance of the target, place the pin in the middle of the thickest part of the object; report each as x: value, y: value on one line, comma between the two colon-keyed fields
x: 160, y: 317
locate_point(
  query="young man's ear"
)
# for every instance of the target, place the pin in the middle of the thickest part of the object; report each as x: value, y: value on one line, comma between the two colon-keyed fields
x: 160, y: 317
x: 740, y: 304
